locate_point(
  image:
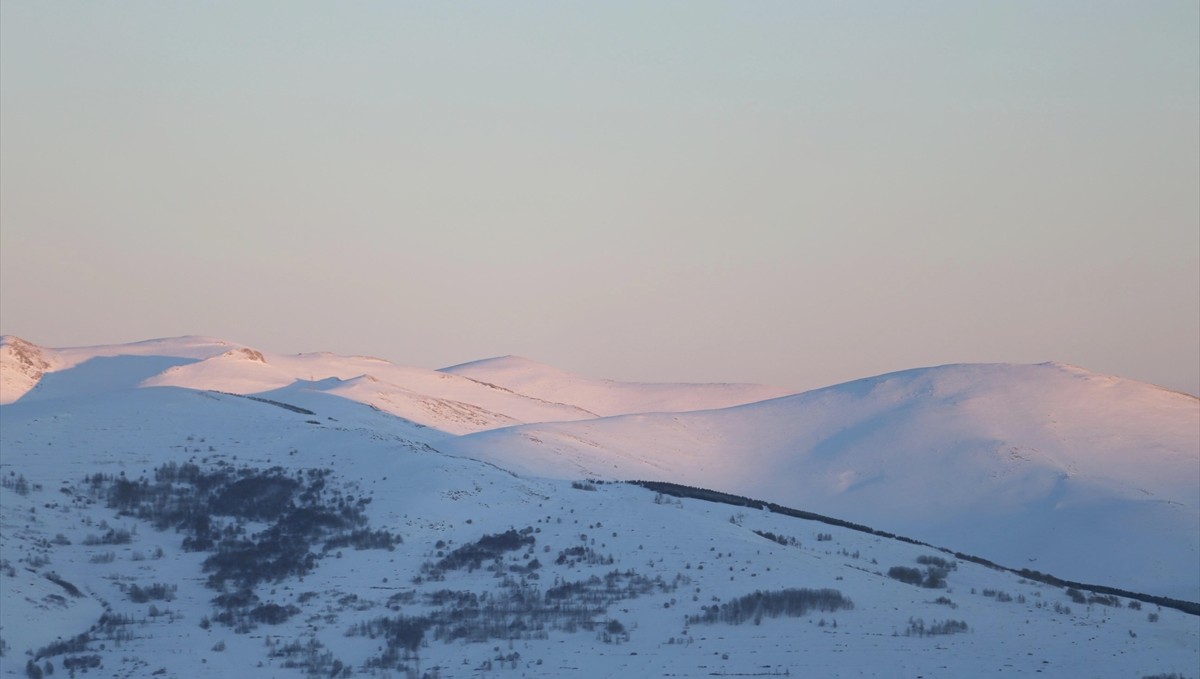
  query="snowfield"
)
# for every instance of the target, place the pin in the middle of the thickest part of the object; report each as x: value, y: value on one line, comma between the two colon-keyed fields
x: 198, y: 508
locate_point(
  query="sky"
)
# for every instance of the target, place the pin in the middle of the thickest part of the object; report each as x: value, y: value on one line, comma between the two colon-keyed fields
x: 796, y: 194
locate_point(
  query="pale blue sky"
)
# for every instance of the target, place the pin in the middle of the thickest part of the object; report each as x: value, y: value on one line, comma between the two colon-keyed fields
x: 780, y: 192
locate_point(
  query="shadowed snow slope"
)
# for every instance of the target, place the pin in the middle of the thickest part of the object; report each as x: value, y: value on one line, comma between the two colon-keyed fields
x: 1048, y: 466
x: 33, y: 372
x: 608, y: 397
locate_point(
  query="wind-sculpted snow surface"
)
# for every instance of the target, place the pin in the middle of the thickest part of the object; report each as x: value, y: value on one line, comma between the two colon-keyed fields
x: 608, y: 397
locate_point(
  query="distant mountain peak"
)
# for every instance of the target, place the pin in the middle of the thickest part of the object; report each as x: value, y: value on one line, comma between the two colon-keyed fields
x: 245, y: 354
x: 22, y: 364
x: 25, y: 351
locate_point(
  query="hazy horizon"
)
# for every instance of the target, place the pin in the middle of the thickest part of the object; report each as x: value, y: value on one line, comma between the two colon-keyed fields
x: 795, y: 195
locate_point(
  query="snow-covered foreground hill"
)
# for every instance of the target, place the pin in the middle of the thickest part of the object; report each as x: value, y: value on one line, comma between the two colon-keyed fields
x: 194, y: 507
x: 492, y: 574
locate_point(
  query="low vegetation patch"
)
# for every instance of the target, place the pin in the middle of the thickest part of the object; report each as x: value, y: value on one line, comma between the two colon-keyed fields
x: 487, y: 548
x: 155, y: 592
x: 519, y: 610
x: 306, y: 517
x: 933, y: 577
x: 780, y: 539
x: 918, y: 628
x: 783, y: 603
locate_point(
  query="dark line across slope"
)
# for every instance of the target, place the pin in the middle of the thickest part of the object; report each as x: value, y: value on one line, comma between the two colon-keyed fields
x: 679, y: 490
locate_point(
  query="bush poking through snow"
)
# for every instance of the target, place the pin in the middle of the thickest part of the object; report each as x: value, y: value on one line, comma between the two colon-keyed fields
x: 783, y: 603
x: 905, y: 574
x: 486, y: 548
x: 934, y: 576
x: 156, y: 592
x: 918, y: 628
x: 926, y: 560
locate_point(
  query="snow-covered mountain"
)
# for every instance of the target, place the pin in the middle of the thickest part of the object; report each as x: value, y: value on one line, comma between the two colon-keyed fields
x: 1047, y: 465
x: 192, y: 507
